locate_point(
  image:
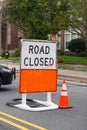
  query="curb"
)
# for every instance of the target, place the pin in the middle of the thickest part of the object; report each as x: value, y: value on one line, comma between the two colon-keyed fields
x: 73, y: 78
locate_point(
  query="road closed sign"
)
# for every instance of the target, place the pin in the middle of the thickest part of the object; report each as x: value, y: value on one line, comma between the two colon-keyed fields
x: 38, y: 55
x: 38, y: 71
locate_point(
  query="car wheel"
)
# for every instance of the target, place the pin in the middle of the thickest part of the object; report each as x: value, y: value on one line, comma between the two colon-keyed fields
x: 0, y: 81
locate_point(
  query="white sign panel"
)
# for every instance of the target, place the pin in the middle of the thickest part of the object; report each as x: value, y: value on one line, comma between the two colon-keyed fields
x: 38, y: 55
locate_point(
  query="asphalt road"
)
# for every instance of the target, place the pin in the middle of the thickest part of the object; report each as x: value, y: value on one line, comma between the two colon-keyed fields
x: 60, y: 119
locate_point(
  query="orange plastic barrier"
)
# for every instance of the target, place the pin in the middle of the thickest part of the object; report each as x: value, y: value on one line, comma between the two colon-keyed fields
x: 38, y: 80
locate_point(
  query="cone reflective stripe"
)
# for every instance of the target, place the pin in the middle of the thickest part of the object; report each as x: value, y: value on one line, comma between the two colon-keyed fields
x: 64, y: 85
x: 63, y: 93
x: 64, y: 101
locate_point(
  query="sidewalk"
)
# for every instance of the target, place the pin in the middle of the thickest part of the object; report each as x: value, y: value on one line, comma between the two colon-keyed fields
x: 73, y: 76
x: 69, y: 75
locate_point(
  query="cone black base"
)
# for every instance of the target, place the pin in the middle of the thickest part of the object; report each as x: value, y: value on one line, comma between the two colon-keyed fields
x: 65, y: 107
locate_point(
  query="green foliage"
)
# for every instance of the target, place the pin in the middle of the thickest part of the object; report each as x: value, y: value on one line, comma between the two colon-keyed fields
x: 38, y: 18
x: 78, y: 19
x: 60, y: 52
x: 82, y: 54
x: 17, y: 52
x: 60, y: 59
x: 77, y: 45
x: 3, y: 53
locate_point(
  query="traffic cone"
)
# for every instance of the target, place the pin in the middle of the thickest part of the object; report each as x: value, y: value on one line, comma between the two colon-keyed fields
x: 64, y: 101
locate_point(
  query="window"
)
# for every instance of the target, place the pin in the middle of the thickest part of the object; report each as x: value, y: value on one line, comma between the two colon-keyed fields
x: 68, y: 38
x: 74, y: 36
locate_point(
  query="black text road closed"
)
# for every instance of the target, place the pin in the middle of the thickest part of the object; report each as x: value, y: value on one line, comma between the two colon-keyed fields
x: 38, y: 55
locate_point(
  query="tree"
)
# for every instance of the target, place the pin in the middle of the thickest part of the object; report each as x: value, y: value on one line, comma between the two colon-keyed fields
x: 38, y: 18
x: 78, y: 18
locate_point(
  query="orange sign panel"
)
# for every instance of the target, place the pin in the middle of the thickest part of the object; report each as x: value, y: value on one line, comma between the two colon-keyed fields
x: 38, y: 81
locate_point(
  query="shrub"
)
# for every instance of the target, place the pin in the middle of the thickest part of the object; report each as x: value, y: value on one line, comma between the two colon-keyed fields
x: 60, y: 52
x: 17, y: 52
x: 68, y: 53
x: 77, y: 45
x: 3, y: 53
x: 82, y: 53
x: 60, y: 60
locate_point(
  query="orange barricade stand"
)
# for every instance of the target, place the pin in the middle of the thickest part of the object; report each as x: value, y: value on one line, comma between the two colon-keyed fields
x: 38, y: 72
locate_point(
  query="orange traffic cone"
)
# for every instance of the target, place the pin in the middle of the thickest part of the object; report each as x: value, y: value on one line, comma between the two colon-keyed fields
x: 64, y: 102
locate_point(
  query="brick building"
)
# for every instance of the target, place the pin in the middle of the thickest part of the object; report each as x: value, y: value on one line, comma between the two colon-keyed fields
x: 9, y: 38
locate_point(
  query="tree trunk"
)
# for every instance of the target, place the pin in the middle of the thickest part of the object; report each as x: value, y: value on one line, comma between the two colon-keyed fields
x: 86, y: 47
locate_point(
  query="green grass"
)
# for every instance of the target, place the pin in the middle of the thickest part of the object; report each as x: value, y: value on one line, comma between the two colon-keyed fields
x: 11, y: 58
x: 74, y: 59
x: 68, y: 59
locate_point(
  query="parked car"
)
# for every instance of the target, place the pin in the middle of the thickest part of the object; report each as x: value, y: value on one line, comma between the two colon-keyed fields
x: 5, y: 75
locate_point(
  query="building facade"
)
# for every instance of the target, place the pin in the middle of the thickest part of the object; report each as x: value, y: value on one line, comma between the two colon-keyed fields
x: 63, y: 38
x: 66, y: 37
x: 9, y: 38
